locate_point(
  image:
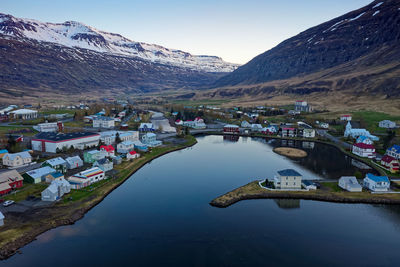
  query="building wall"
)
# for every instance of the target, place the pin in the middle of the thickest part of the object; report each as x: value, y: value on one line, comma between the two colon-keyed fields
x: 290, y: 182
x: 52, y: 146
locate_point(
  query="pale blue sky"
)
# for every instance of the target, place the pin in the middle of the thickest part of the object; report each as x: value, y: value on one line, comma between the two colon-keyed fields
x: 236, y: 30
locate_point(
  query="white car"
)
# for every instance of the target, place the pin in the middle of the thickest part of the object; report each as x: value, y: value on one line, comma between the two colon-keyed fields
x: 8, y: 203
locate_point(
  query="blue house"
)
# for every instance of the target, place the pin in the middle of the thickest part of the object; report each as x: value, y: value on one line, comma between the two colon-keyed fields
x: 376, y: 183
x: 394, y: 151
x: 140, y: 146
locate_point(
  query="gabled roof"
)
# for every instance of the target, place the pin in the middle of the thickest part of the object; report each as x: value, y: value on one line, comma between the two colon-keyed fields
x: 56, y: 174
x: 2, y: 151
x: 108, y: 148
x: 395, y: 148
x: 377, y: 179
x: 10, y: 176
x: 38, y: 173
x: 73, y: 159
x: 289, y: 172
x: 364, y: 146
x: 12, y: 156
x: 133, y: 152
x: 127, y: 143
x: 103, y: 161
x: 231, y: 126
x: 56, y: 161
x: 388, y: 159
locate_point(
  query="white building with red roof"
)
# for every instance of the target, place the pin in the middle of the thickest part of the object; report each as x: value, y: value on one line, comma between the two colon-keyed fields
x: 132, y: 155
x: 390, y: 163
x: 110, y: 150
x: 346, y: 117
x: 364, y: 150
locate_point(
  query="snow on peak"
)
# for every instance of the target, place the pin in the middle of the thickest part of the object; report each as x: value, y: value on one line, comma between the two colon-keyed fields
x: 75, y: 34
x: 377, y: 5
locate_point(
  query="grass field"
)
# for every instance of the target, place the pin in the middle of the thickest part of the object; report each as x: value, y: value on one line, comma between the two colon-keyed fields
x: 216, y: 102
x: 25, y: 191
x: 57, y: 111
x: 372, y: 118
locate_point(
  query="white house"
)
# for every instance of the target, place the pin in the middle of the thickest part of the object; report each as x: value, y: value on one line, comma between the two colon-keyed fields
x: 301, y: 105
x: 346, y: 117
x: 14, y: 160
x: 256, y: 127
x: 38, y: 175
x: 354, y: 133
x: 364, y: 140
x: 394, y: 151
x: 287, y: 179
x: 104, y: 164
x: 146, y: 127
x: 245, y: 124
x: 309, y: 133
x: 125, y: 147
x: 324, y: 125
x: 109, y: 137
x: 349, y: 183
x: 376, y: 183
x: 150, y: 139
x: 103, y: 122
x: 387, y: 124
x: 132, y: 155
x: 1, y: 219
x: 24, y: 114
x: 364, y: 150
x: 309, y: 185
x: 49, y: 127
x: 51, y: 142
x: 86, y: 178
x: 56, y: 190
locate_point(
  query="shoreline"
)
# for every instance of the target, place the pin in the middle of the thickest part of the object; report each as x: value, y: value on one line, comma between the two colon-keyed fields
x: 76, y: 210
x: 252, y: 190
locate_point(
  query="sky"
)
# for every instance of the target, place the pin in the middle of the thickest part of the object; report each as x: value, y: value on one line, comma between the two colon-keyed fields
x: 236, y: 30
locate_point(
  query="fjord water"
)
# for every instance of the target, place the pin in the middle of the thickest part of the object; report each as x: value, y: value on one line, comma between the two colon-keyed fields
x: 161, y: 216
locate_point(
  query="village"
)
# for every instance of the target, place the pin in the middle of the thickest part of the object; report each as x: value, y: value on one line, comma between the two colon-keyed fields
x: 53, y: 154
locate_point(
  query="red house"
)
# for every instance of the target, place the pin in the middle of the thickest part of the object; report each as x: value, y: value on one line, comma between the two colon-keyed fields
x: 10, y: 180
x: 230, y: 128
x: 390, y: 163
x: 109, y: 149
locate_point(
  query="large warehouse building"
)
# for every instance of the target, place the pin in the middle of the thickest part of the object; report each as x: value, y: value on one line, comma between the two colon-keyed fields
x: 50, y: 142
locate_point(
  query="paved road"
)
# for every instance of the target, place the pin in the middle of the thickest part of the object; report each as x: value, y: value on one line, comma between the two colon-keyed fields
x: 334, y: 139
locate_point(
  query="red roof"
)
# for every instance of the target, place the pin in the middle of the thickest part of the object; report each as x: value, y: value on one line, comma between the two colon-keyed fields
x: 108, y: 148
x: 364, y: 146
x: 133, y: 152
x: 178, y: 120
x: 388, y: 159
x: 286, y: 129
x: 346, y: 115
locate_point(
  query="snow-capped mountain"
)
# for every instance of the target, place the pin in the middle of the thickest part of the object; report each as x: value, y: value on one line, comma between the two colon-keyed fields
x: 78, y: 35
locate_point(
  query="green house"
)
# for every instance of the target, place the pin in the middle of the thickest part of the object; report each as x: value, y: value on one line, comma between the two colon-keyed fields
x: 59, y: 164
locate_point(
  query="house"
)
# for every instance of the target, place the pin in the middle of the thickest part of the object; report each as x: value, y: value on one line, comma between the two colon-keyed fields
x: 245, y: 124
x: 376, y: 183
x: 103, y: 122
x: 132, y: 155
x: 117, y: 160
x: 146, y: 127
x: 93, y: 155
x: 364, y: 140
x: 109, y: 137
x: 59, y: 164
x: 86, y: 178
x: 14, y: 160
x: 56, y: 190
x: 150, y: 139
x: 324, y: 125
x: 349, y: 183
x: 230, y: 128
x: 49, y: 127
x: 24, y: 114
x: 1, y: 219
x: 364, y: 150
x: 346, y: 117
x: 140, y: 146
x: 309, y: 185
x: 104, y: 164
x: 179, y: 122
x: 302, y: 106
x: 308, y: 133
x: 394, y: 151
x: 387, y: 124
x: 53, y: 177
x: 287, y: 179
x: 256, y: 127
x: 125, y: 147
x: 270, y: 130
x: 110, y: 150
x: 10, y: 180
x: 55, y: 142
x: 3, y: 152
x: 354, y: 133
x: 288, y: 132
x: 74, y: 162
x: 390, y: 163
x: 38, y: 175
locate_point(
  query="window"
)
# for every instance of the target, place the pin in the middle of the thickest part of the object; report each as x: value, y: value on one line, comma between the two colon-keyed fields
x: 286, y: 183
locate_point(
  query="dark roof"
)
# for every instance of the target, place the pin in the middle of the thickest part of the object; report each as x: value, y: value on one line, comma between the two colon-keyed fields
x: 57, y: 137
x: 289, y: 172
x: 103, y: 161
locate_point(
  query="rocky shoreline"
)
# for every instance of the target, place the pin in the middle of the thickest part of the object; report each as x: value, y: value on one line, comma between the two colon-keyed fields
x: 75, y: 211
x: 242, y: 193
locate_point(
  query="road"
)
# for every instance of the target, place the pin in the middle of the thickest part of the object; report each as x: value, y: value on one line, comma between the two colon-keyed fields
x: 334, y: 139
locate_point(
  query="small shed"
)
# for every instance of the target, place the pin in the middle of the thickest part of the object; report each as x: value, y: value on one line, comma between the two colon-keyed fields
x: 117, y: 160
x: 309, y: 185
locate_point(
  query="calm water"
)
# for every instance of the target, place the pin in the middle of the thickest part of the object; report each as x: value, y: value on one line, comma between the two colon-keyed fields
x: 161, y: 217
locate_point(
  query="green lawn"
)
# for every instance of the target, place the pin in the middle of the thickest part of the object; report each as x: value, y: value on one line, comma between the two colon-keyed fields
x: 57, y: 111
x: 25, y: 191
x: 200, y: 102
x: 372, y: 118
x: 76, y: 124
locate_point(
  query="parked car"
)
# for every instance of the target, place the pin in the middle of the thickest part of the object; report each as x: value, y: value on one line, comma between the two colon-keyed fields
x: 8, y: 203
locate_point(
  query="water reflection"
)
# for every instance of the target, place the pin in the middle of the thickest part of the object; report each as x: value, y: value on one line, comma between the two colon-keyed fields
x: 288, y: 203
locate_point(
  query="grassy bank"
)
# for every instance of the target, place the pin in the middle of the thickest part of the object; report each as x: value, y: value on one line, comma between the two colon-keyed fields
x: 22, y: 228
x: 329, y: 192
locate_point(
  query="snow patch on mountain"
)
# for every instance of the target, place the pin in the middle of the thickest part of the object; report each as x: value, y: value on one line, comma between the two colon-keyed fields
x: 78, y: 35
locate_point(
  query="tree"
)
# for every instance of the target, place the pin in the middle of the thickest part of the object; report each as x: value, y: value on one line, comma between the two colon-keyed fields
x: 187, y: 132
x: 179, y: 116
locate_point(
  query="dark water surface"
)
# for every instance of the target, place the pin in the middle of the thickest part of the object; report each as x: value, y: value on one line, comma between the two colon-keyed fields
x: 161, y: 217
